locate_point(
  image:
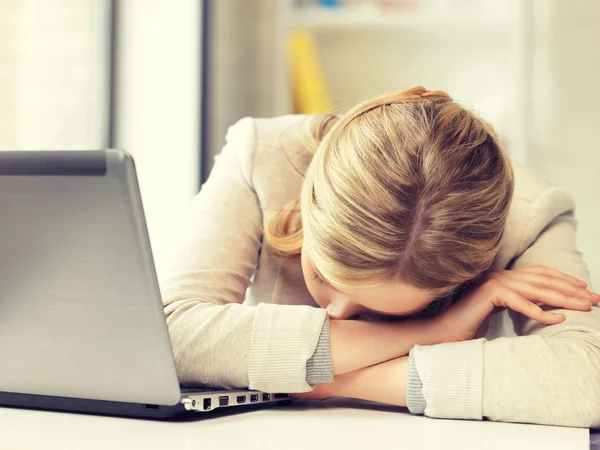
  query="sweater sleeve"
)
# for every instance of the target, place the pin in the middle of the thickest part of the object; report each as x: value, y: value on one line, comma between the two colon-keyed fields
x: 551, y: 375
x: 547, y: 375
x: 216, y: 340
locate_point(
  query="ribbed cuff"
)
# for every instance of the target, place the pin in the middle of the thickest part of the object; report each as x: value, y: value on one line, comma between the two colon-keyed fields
x: 452, y: 377
x: 284, y: 338
x: 415, y: 401
x: 319, y: 368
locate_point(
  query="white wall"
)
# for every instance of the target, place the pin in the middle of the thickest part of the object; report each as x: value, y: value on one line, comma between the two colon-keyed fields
x: 53, y: 72
x: 565, y: 112
x: 157, y: 110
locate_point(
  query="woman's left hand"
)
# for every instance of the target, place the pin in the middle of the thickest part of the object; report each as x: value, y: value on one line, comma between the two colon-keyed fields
x: 518, y: 290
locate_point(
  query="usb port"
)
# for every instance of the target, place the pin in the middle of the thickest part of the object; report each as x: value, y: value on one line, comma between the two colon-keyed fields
x: 254, y: 398
x: 224, y: 400
x: 206, y: 404
x: 266, y: 397
x: 241, y: 399
x: 279, y: 396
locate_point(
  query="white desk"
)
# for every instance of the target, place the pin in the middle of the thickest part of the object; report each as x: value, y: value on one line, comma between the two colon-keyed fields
x: 333, y: 424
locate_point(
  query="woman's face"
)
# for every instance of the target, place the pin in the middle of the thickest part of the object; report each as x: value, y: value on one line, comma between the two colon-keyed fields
x: 388, y: 299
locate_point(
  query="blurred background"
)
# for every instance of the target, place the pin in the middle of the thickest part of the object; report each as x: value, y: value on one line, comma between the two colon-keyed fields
x: 164, y: 79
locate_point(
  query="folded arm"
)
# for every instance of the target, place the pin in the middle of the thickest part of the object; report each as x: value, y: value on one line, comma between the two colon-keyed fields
x: 216, y: 340
x: 547, y: 375
x: 359, y: 344
x: 550, y: 375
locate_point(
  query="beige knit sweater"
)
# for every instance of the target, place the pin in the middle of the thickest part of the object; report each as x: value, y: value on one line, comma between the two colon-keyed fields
x: 240, y: 318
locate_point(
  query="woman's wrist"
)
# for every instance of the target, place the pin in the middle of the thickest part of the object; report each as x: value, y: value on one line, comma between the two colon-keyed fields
x: 437, y: 330
x: 383, y: 383
x: 358, y: 344
x: 441, y: 327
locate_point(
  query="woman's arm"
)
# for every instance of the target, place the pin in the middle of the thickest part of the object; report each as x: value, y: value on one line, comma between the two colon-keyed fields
x: 383, y: 383
x: 548, y: 375
x: 215, y: 339
x: 551, y: 375
x: 357, y: 344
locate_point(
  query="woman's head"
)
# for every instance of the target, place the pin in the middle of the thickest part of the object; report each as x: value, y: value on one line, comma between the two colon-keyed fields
x: 405, y: 200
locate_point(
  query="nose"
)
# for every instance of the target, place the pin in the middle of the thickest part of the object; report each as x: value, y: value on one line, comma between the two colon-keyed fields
x: 342, y: 308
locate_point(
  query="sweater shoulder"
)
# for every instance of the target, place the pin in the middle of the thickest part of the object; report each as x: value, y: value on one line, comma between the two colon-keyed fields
x: 281, y: 158
x: 529, y: 183
x: 538, y: 195
x: 536, y: 204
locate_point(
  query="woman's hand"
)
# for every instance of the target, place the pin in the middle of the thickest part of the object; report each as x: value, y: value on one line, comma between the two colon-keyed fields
x: 518, y: 290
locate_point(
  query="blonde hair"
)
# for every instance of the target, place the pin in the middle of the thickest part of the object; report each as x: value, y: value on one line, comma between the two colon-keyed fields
x: 408, y: 187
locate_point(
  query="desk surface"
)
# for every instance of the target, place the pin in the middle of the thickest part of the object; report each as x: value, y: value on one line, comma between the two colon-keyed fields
x: 330, y: 424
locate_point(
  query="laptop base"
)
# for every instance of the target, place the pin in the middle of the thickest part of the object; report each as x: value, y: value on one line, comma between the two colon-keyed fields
x: 196, y: 402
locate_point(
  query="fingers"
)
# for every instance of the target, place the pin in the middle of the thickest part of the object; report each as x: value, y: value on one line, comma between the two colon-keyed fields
x: 549, y: 272
x: 558, y: 296
x: 558, y: 284
x: 551, y: 279
x: 535, y: 286
x: 514, y: 301
x: 518, y: 289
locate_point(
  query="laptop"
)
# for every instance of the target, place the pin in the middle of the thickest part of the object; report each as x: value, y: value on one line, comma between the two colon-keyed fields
x: 82, y: 326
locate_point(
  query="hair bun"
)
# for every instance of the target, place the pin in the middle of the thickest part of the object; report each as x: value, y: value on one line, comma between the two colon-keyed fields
x: 416, y: 94
x: 419, y: 92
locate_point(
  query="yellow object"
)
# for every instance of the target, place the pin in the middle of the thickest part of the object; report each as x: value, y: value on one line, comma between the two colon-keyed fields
x: 308, y: 82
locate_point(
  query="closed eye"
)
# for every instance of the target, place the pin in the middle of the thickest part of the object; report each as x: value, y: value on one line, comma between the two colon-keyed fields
x: 320, y: 280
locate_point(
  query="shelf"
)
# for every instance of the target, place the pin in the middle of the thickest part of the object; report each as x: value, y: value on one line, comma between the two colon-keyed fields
x: 369, y: 17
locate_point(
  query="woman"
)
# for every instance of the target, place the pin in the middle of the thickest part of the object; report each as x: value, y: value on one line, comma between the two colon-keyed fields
x: 406, y: 218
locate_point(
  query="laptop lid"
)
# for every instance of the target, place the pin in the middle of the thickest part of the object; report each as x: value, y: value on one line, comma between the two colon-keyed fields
x: 80, y: 308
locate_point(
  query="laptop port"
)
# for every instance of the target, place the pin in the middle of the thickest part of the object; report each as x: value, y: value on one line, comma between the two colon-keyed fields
x: 241, y: 399
x: 254, y: 398
x: 151, y: 407
x: 266, y: 397
x: 280, y: 396
x: 206, y: 404
x: 224, y: 400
